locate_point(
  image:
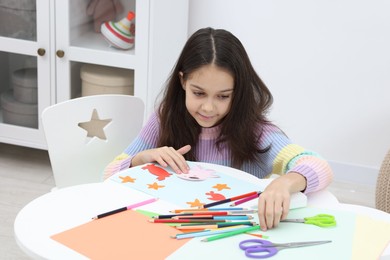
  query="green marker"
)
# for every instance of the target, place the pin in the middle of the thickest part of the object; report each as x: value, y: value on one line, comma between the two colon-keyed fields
x: 233, y: 233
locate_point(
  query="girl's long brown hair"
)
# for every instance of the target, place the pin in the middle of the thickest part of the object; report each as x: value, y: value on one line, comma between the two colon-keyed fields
x: 250, y: 103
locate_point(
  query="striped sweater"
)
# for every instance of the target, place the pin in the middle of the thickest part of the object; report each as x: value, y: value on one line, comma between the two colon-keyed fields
x: 282, y: 157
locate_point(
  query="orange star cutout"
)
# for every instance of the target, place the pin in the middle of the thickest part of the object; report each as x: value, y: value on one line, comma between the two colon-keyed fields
x: 127, y: 179
x: 195, y: 203
x: 220, y: 187
x: 155, y: 186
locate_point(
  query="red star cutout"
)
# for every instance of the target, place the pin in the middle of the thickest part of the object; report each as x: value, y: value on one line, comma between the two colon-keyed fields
x: 127, y: 179
x: 195, y: 203
x: 155, y: 186
x: 220, y: 187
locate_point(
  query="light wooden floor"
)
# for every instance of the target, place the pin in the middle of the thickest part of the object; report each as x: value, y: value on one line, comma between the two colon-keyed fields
x: 25, y: 174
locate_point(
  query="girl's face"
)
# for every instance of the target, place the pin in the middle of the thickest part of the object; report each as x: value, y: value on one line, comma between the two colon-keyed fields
x: 209, y: 93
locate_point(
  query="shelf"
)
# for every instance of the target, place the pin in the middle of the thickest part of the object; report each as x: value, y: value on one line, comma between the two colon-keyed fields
x: 18, y: 46
x: 23, y: 136
x: 102, y: 57
x: 96, y: 41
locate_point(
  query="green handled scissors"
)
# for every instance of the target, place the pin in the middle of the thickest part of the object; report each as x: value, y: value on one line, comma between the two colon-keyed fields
x: 321, y: 220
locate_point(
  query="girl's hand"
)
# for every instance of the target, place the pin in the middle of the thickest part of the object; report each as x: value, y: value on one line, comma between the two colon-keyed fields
x: 165, y: 156
x: 274, y: 202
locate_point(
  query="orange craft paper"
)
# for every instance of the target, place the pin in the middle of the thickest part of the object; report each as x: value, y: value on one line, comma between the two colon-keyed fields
x: 126, y: 235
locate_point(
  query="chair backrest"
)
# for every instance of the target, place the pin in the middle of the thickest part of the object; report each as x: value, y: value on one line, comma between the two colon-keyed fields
x: 382, y: 193
x: 85, y: 134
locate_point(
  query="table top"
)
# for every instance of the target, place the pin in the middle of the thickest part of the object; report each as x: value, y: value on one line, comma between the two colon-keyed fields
x: 66, y: 208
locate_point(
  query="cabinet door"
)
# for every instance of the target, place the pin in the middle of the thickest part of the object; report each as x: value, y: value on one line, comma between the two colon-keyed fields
x: 80, y: 46
x: 57, y: 38
x: 25, y: 70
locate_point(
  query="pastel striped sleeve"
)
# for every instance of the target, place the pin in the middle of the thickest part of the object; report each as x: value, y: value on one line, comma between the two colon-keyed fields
x: 146, y: 139
x: 288, y: 153
x: 294, y: 158
x: 120, y: 163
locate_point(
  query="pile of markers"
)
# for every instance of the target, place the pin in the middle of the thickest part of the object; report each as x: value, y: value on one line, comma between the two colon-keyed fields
x: 214, y: 222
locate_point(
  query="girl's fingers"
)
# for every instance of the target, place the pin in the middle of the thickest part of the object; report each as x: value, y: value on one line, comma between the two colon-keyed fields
x: 161, y: 162
x: 271, y: 210
x: 185, y: 149
x: 261, y: 213
x: 174, y: 159
x: 269, y: 214
x: 286, y: 208
x: 183, y: 163
x: 277, y: 213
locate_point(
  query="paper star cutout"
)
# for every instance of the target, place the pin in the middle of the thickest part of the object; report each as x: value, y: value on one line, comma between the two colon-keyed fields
x: 127, y: 179
x: 195, y: 203
x: 155, y: 186
x: 220, y: 187
x: 95, y: 127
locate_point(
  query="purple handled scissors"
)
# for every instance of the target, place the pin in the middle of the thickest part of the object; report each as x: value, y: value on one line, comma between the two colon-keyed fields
x: 260, y: 248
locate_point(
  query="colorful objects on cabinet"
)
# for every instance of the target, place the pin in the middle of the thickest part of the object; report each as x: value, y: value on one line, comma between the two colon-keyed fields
x: 120, y: 34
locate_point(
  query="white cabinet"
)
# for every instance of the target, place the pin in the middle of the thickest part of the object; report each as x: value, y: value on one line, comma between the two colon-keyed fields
x: 19, y: 43
x: 65, y: 40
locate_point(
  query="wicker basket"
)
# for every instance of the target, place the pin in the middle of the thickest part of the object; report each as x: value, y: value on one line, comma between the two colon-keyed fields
x: 382, y: 196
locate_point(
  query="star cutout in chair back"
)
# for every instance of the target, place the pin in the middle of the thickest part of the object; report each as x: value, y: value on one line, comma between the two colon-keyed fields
x: 95, y: 127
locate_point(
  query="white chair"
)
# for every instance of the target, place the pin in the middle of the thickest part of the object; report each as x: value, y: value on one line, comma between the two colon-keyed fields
x: 85, y: 134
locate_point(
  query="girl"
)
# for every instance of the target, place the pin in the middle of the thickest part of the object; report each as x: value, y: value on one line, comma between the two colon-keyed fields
x: 214, y: 110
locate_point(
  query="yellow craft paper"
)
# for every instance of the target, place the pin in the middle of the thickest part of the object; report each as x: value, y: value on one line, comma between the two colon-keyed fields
x: 126, y: 235
x: 371, y: 238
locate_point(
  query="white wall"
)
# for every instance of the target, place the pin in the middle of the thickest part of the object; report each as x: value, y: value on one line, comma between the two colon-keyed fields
x: 327, y: 64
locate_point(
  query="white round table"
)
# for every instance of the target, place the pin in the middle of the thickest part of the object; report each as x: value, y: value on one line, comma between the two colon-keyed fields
x: 65, y: 208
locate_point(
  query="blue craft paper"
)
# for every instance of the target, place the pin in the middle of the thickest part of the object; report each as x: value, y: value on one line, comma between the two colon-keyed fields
x: 182, y: 192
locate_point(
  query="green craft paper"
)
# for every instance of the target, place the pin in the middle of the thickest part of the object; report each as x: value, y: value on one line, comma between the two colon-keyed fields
x: 153, y: 214
x: 147, y: 213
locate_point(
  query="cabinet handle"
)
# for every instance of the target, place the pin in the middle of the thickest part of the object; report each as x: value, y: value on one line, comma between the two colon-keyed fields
x: 60, y: 53
x: 41, y: 51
